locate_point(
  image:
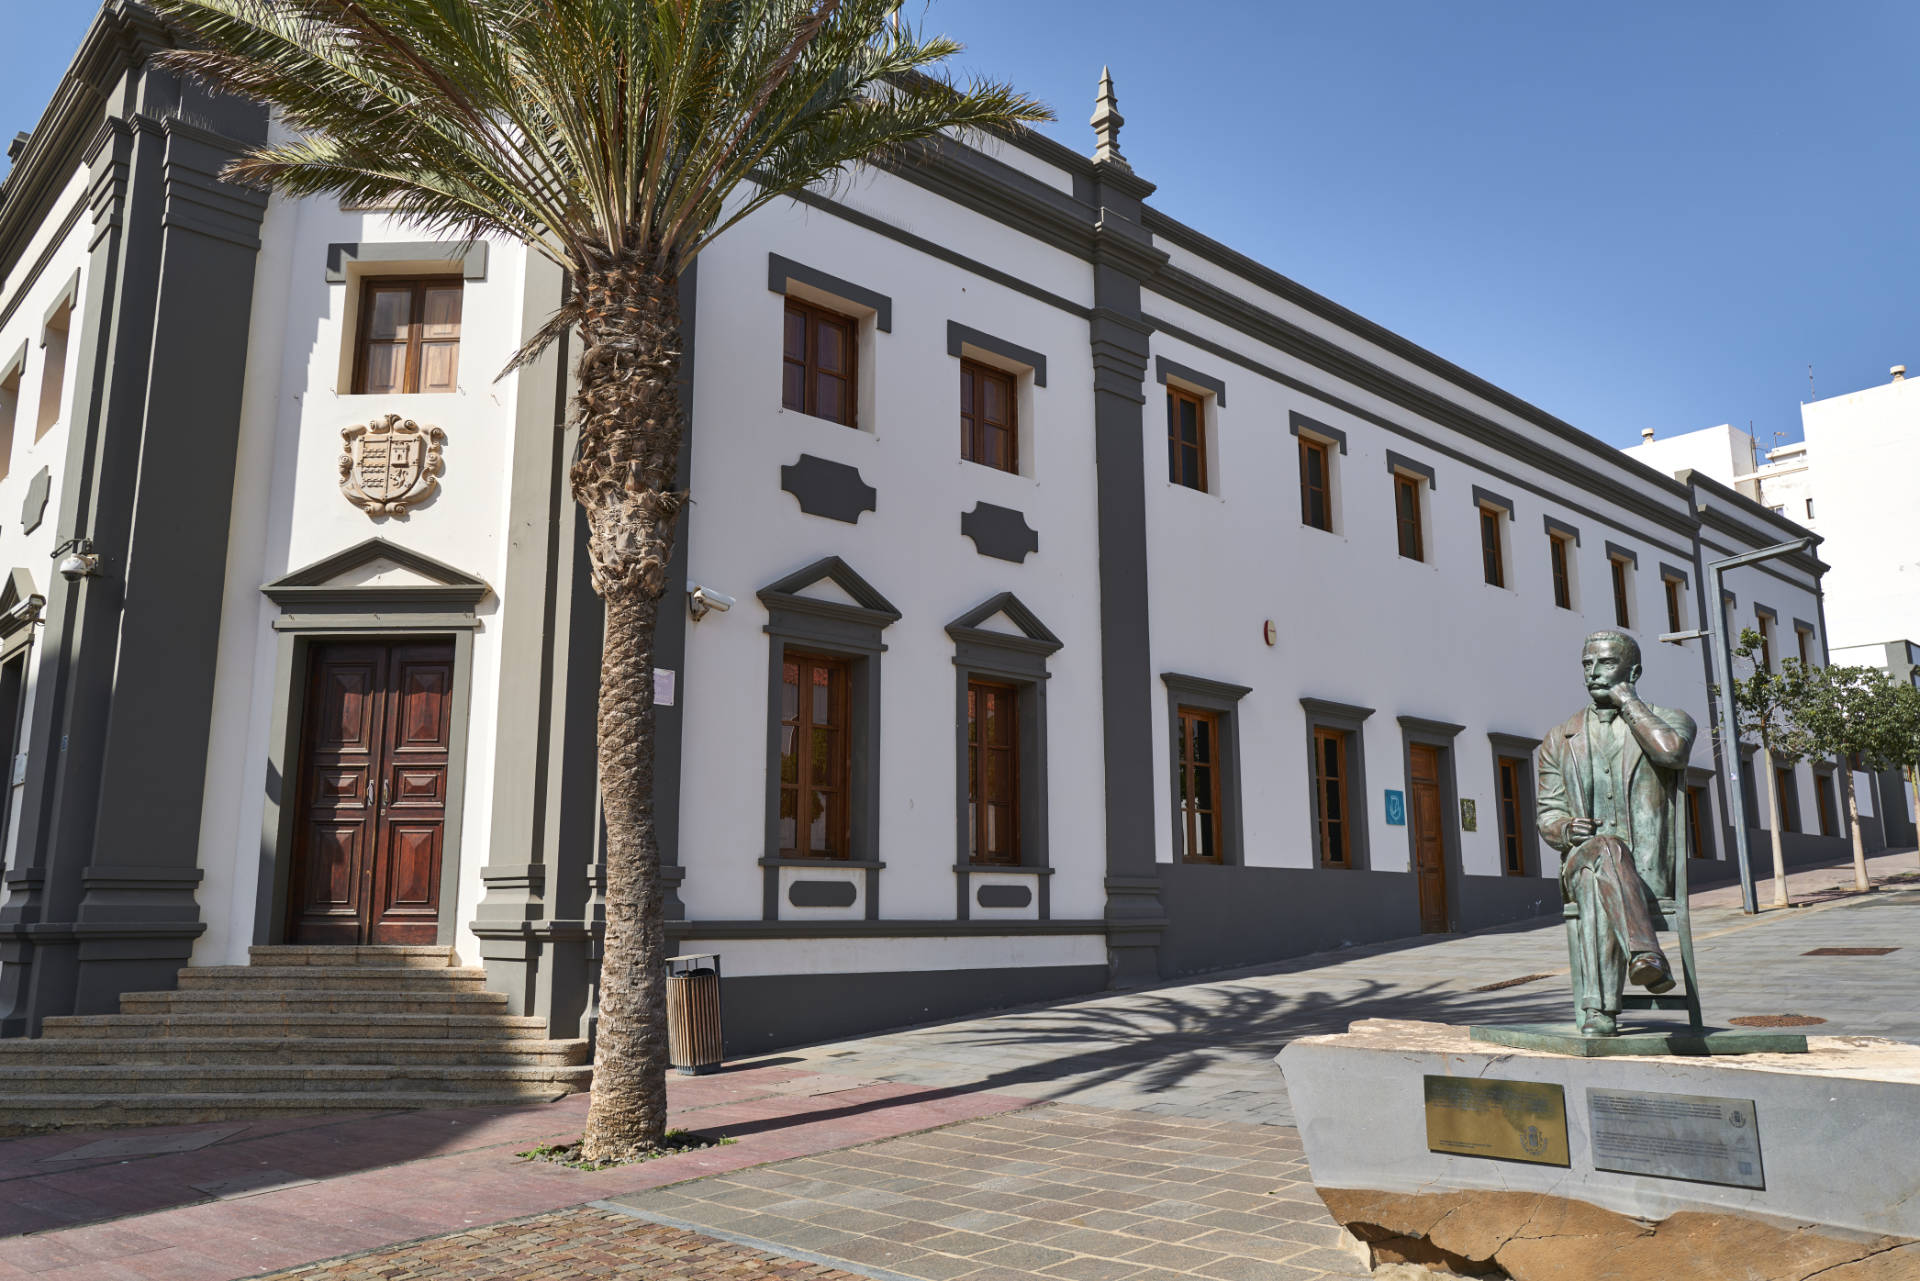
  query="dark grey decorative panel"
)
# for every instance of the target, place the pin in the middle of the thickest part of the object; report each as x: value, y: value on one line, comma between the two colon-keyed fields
x: 34, y: 510
x: 822, y: 893
x: 1000, y: 532
x: 829, y: 489
x: 1003, y: 896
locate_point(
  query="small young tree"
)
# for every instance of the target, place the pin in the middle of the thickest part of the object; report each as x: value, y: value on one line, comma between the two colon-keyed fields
x: 1860, y: 715
x: 1764, y: 707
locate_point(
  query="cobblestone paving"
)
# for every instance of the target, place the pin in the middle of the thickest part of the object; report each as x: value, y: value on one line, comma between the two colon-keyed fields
x: 579, y: 1243
x: 1078, y: 1193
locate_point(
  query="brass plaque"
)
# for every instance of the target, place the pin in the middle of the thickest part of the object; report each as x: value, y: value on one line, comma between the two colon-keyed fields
x: 1505, y: 1120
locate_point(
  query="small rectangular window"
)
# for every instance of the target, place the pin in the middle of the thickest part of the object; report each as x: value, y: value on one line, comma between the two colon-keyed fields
x: 1800, y: 634
x: 1619, y: 568
x: 1766, y: 643
x: 1823, y: 802
x: 1186, y: 439
x: 1809, y: 509
x: 993, y: 773
x: 1199, y: 765
x: 1492, y: 562
x: 1406, y: 510
x: 1330, y: 790
x: 815, y: 758
x: 820, y: 363
x: 1512, y: 797
x: 1672, y: 586
x: 1789, y: 798
x: 1696, y: 805
x: 989, y: 430
x: 9, y: 414
x: 1316, y: 488
x: 53, y: 369
x: 1562, y: 582
x: 409, y: 338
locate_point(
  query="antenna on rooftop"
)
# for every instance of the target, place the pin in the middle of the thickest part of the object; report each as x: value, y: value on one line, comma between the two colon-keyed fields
x: 1810, y: 392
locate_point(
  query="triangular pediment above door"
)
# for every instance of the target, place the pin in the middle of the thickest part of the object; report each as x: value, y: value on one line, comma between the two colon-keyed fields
x: 378, y: 572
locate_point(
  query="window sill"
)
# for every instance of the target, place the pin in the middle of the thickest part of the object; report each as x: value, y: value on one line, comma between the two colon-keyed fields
x: 821, y: 862
x: 1002, y: 869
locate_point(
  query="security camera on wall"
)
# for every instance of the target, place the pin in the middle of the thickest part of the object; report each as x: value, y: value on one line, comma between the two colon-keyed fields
x: 704, y: 600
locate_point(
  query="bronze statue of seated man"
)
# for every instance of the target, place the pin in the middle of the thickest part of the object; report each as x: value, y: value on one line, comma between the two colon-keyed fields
x: 1612, y: 801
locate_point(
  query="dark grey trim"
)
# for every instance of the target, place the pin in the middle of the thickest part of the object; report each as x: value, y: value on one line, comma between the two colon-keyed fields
x: 20, y: 609
x: 826, y: 488
x: 772, y: 929
x: 822, y: 893
x: 1020, y: 661
x: 1297, y: 422
x: 33, y: 508
x: 1616, y: 552
x: 1439, y: 735
x: 1036, y: 362
x: 1164, y: 368
x: 848, y: 631
x: 1512, y: 445
x: 1802, y: 625
x: 55, y: 243
x: 15, y: 364
x: 305, y: 590
x: 1673, y: 573
x: 1517, y: 747
x: 1765, y: 611
x: 1487, y: 498
x: 1213, y: 696
x: 469, y: 256
x: 1728, y: 598
x: 1562, y: 528
x: 1401, y: 464
x: 782, y: 270
x: 1753, y: 535
x: 1004, y: 896
x: 1323, y: 713
x: 1807, y: 581
x: 67, y: 298
x: 999, y: 532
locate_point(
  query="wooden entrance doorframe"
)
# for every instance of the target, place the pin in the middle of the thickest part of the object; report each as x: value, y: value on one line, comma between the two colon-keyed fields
x: 1439, y: 735
x: 439, y: 603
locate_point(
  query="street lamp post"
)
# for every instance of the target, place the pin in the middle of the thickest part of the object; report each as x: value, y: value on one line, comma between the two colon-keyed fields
x: 1716, y: 635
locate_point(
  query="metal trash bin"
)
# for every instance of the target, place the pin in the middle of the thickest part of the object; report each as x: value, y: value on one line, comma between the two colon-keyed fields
x: 693, y: 1013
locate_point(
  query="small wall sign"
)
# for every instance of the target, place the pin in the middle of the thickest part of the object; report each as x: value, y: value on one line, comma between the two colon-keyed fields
x: 1469, y: 816
x: 664, y: 686
x: 1396, y: 808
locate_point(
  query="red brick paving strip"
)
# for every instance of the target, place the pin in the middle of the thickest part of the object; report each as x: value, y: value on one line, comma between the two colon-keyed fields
x: 572, y: 1243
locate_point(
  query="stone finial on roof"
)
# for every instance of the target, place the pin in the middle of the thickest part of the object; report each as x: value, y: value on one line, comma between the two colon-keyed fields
x: 1106, y: 123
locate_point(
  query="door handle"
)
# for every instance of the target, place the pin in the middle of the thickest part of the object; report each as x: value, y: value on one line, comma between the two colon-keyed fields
x: 386, y: 794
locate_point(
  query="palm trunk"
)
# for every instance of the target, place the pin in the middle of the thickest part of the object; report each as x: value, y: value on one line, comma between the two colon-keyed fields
x: 628, y: 410
x: 1773, y: 829
x: 1860, y: 879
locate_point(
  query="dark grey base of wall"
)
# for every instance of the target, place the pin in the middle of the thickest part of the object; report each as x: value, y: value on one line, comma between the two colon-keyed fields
x: 772, y: 1011
x: 1222, y: 917
x: 1502, y: 900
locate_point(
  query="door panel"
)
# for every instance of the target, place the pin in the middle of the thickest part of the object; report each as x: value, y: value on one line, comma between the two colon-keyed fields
x: 1427, y: 814
x: 373, y: 794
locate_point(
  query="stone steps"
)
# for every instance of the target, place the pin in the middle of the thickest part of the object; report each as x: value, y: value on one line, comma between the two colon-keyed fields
x: 301, y: 1029
x: 236, y: 1050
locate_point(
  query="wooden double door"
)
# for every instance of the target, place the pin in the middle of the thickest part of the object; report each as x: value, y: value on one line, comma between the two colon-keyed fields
x: 1426, y: 810
x: 370, y: 827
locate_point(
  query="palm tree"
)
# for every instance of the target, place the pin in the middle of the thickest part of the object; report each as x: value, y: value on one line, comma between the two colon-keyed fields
x: 619, y: 138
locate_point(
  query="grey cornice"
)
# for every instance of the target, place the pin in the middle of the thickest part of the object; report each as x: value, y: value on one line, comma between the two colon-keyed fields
x: 324, y: 571
x: 1799, y: 625
x: 1676, y: 573
x: 1298, y: 422
x: 1035, y: 636
x: 999, y: 191
x: 1617, y: 551
x: 878, y: 929
x: 1164, y: 369
x: 1514, y: 742
x: 1487, y: 498
x: 1562, y: 528
x: 14, y: 363
x: 872, y: 609
x: 1118, y: 242
x: 1422, y: 725
x: 959, y: 334
x: 1329, y: 708
x: 822, y: 864
x: 55, y: 243
x: 1400, y: 464
x: 1282, y: 335
x: 1755, y: 534
x: 1765, y: 611
x: 1202, y: 687
x: 412, y: 598
x: 782, y: 270
x: 471, y: 256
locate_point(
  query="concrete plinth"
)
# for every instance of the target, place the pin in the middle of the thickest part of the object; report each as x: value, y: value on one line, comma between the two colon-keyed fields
x: 1825, y: 1141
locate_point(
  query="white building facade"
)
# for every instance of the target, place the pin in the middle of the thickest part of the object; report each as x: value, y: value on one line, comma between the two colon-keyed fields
x: 1107, y: 606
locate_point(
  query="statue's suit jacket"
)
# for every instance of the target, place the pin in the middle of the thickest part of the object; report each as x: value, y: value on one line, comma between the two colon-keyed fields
x: 1654, y: 791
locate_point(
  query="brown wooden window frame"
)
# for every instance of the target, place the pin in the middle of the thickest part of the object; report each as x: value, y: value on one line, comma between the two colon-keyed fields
x: 1824, y: 803
x: 1673, y: 587
x: 1510, y: 779
x: 1408, y: 517
x: 1788, y: 790
x: 1313, y: 449
x: 1618, y: 567
x: 416, y: 321
x: 1696, y: 820
x: 1193, y: 817
x: 977, y: 759
x: 803, y: 784
x: 1493, y: 554
x: 974, y: 427
x: 1764, y: 626
x: 1557, y: 557
x: 1802, y: 639
x: 814, y: 315
x: 1177, y: 449
x: 1333, y: 832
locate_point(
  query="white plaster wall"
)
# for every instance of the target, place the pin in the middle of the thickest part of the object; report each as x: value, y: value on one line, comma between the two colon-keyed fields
x: 745, y: 533
x: 33, y: 552
x: 1865, y: 447
x: 1724, y: 453
x: 289, y: 512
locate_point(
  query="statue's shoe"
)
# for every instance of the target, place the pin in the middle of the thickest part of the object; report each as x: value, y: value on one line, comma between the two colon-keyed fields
x: 1599, y: 1023
x: 1650, y: 970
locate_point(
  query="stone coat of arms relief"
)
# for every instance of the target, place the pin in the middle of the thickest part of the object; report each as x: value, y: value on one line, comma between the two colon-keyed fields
x: 391, y: 464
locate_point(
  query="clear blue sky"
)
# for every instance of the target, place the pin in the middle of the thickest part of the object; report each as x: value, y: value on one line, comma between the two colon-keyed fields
x: 1633, y: 215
